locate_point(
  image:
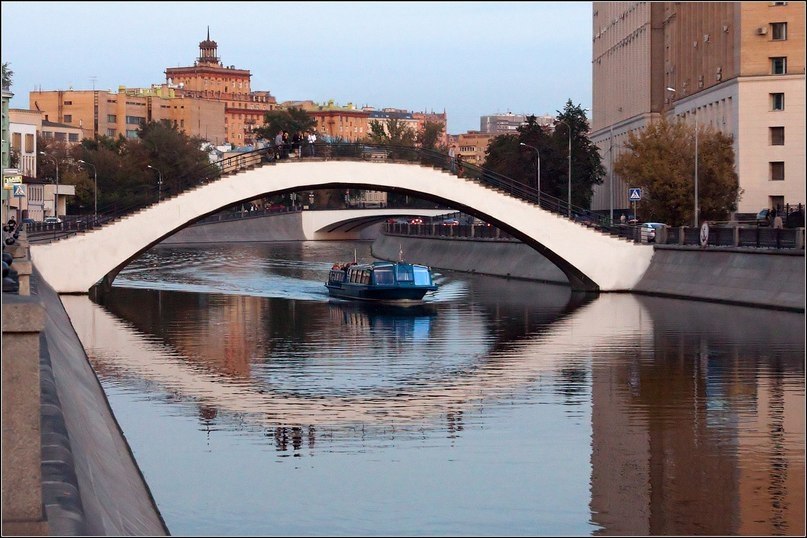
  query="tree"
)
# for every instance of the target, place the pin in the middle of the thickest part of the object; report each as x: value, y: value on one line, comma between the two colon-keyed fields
x: 8, y: 74
x: 661, y: 160
x: 293, y: 120
x: 587, y: 168
x: 429, y: 136
x: 508, y: 157
x: 392, y: 133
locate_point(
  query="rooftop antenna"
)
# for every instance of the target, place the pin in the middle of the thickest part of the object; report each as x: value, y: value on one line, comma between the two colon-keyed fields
x: 93, y: 78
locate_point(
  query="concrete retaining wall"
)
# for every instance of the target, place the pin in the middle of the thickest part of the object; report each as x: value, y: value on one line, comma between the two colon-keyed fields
x: 755, y: 277
x: 115, y: 498
x: 487, y: 257
x: 281, y: 227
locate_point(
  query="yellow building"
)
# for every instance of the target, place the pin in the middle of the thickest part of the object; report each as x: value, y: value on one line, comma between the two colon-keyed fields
x: 208, y: 80
x: 102, y: 113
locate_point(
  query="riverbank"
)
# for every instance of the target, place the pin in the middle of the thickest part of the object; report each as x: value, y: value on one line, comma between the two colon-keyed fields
x: 111, y: 495
x: 750, y: 277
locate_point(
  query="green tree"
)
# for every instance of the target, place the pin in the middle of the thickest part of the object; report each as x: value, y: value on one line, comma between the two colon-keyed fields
x: 661, y: 160
x: 507, y: 156
x: 392, y: 133
x: 8, y: 74
x: 587, y: 168
x: 430, y: 135
x: 293, y: 120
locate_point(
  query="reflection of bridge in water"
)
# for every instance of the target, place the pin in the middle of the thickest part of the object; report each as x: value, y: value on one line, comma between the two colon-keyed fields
x: 115, y: 347
x: 591, y: 260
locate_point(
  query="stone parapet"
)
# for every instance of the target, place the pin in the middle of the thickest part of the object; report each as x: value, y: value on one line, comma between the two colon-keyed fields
x: 23, y: 321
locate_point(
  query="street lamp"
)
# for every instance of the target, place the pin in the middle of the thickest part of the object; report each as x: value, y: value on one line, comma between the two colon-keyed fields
x: 537, y: 169
x: 569, y: 195
x: 55, y: 194
x: 695, y: 114
x: 95, y: 182
x: 159, y: 182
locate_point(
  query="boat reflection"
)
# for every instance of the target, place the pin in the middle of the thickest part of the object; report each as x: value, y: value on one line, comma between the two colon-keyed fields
x: 413, y: 322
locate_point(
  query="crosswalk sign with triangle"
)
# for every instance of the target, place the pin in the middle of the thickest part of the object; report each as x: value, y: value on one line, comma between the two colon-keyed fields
x: 634, y: 194
x: 18, y: 190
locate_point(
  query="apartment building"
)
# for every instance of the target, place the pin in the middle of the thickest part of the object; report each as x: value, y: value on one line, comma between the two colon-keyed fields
x: 103, y: 113
x: 209, y: 80
x: 509, y: 123
x: 734, y: 66
x: 472, y: 146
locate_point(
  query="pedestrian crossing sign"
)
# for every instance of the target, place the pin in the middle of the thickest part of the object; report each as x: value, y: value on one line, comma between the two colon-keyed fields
x: 634, y: 194
x: 18, y: 190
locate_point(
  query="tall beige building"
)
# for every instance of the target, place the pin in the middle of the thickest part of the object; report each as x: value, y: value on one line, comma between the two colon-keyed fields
x: 735, y: 66
x: 209, y: 80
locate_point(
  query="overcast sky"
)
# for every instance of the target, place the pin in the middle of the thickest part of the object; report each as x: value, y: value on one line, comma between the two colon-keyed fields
x: 467, y: 58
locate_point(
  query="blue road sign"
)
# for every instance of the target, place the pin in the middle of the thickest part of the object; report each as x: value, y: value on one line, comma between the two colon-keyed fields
x: 18, y: 190
x: 634, y: 194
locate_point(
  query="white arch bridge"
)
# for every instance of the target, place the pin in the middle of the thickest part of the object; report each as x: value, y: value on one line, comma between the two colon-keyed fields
x: 592, y: 260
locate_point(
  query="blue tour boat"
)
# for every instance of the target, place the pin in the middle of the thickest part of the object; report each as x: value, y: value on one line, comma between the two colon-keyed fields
x: 382, y: 281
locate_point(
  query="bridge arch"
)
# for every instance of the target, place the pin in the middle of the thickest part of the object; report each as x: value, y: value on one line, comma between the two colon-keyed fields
x: 592, y: 261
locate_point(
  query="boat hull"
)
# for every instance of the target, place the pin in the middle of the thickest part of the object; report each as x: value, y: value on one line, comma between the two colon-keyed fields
x: 380, y: 294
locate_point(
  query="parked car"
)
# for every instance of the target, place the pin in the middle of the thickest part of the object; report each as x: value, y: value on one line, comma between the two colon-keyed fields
x: 52, y: 220
x: 764, y: 218
x: 450, y: 222
x: 416, y: 220
x: 650, y: 229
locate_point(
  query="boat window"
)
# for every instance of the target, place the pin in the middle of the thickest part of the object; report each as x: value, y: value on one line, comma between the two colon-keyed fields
x: 383, y: 276
x: 365, y: 277
x: 404, y: 273
x: 422, y: 277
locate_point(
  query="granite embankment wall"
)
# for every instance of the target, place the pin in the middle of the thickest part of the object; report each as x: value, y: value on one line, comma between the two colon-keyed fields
x: 281, y: 227
x: 114, y: 497
x: 754, y: 277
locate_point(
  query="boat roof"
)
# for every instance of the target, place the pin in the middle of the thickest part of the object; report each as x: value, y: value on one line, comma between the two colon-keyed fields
x: 384, y: 264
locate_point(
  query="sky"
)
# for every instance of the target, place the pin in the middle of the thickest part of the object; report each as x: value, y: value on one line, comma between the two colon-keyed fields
x: 469, y: 59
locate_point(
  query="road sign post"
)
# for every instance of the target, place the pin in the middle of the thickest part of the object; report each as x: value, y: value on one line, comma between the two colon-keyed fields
x: 634, y: 196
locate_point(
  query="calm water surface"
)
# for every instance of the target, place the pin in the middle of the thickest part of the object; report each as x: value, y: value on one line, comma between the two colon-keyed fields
x: 255, y: 405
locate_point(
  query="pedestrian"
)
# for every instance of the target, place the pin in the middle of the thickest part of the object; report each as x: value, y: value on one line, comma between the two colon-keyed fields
x: 312, y: 139
x: 279, y: 145
x: 777, y: 222
x: 296, y: 144
x: 285, y: 144
x: 622, y: 219
x: 452, y: 161
x: 459, y: 164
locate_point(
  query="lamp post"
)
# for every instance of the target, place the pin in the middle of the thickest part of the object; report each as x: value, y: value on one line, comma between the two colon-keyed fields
x: 95, y: 191
x: 569, y: 195
x: 695, y: 114
x: 537, y: 169
x: 159, y: 182
x: 55, y: 194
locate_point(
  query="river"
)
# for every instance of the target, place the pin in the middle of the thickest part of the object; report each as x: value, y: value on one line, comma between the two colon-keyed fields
x: 254, y: 405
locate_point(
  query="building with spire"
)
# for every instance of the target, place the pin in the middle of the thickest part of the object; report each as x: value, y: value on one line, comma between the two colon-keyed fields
x: 208, y: 79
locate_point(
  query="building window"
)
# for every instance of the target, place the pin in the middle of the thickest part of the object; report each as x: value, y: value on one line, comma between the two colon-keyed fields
x: 777, y: 101
x: 777, y: 136
x: 29, y: 143
x: 110, y: 133
x: 68, y: 118
x: 779, y: 65
x: 135, y: 120
x: 68, y: 102
x: 131, y: 133
x: 111, y: 118
x: 778, y: 171
x: 779, y: 31
x: 72, y: 137
x: 60, y: 136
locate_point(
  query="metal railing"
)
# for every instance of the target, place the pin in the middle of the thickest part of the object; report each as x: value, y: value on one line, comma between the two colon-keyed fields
x: 457, y: 226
